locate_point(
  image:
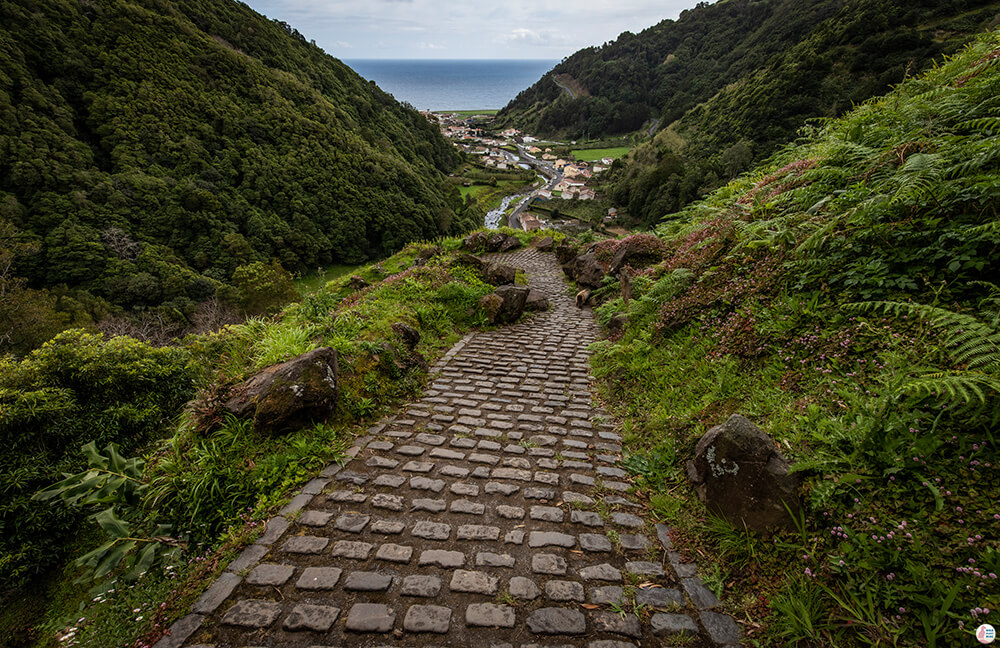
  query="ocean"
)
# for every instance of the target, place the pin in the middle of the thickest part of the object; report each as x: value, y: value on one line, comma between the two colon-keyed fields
x: 432, y: 84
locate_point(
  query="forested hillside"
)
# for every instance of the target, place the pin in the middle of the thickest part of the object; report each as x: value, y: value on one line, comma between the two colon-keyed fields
x: 730, y: 82
x: 149, y: 150
x: 843, y: 297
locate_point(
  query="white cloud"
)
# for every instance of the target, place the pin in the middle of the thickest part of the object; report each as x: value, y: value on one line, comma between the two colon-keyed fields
x: 463, y: 29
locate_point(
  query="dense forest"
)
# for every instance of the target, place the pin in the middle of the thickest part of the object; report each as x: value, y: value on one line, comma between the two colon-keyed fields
x: 728, y: 83
x: 153, y: 154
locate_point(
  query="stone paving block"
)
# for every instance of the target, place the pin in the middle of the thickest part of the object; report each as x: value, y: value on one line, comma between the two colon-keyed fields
x: 546, y: 513
x: 477, y: 532
x: 548, y: 478
x: 595, y: 542
x: 275, y: 527
x: 252, y: 613
x: 632, y: 542
x: 421, y: 585
x: 559, y: 590
x: 581, y: 480
x: 381, y: 462
x: 610, y: 643
x: 442, y: 558
x: 510, y: 512
x: 367, y: 581
x: 389, y: 481
x: 490, y: 559
x: 467, y: 490
x: 539, y: 493
x: 586, y: 518
x: 351, y: 477
x: 523, y: 588
x: 394, y: 553
x: 701, y: 596
x: 216, y: 593
x: 454, y: 471
x: 180, y: 631
x: 659, y: 597
x: 314, y: 518
x: 473, y: 582
x: 427, y: 504
x: 370, y: 617
x: 430, y: 439
x: 427, y: 618
x: 431, y: 530
x: 545, y: 563
x: 388, y: 527
x: 319, y: 578
x: 353, y: 497
x: 390, y: 502
x: 467, y: 507
x: 352, y: 550
x: 426, y: 483
x: 551, y: 538
x: 411, y: 451
x: 514, y: 536
x: 317, y: 618
x: 627, y: 520
x: 670, y: 624
x: 557, y: 621
x: 511, y: 473
x: 351, y: 522
x: 247, y: 558
x: 722, y: 628
x: 305, y: 544
x: 490, y: 615
x: 418, y: 466
x: 605, y: 595
x: 615, y: 623
x: 270, y: 574
x: 644, y: 568
x: 604, y: 572
x: 500, y: 488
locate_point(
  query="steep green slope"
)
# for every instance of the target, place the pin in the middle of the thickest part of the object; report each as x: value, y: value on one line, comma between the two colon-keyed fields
x: 149, y: 149
x: 837, y: 296
x: 730, y: 82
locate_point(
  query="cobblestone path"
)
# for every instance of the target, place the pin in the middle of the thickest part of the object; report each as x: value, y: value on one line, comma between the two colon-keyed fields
x: 490, y: 512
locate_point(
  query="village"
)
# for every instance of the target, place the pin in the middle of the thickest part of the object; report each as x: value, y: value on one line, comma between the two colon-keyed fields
x: 565, y: 177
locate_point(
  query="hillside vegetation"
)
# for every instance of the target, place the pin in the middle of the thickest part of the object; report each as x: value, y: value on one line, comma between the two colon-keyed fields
x: 202, y: 478
x: 839, y: 296
x: 148, y: 151
x: 730, y: 82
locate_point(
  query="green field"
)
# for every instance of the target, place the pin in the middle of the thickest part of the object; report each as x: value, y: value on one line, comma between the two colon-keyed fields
x: 317, y: 280
x: 589, y: 155
x: 466, y: 113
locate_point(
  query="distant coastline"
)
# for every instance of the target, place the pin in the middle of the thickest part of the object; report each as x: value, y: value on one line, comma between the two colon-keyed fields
x: 440, y: 84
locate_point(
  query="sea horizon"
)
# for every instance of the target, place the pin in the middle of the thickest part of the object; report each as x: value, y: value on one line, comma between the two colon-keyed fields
x: 453, y: 84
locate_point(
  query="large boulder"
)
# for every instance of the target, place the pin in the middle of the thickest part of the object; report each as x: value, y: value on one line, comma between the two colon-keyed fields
x: 357, y: 283
x: 638, y: 250
x: 536, y: 301
x: 495, y: 241
x: 514, y: 299
x: 290, y: 395
x: 740, y: 475
x: 565, y: 252
x: 586, y: 270
x: 510, y: 244
x: 471, y: 260
x: 410, y: 335
x: 499, y: 274
x: 544, y: 244
x: 475, y: 242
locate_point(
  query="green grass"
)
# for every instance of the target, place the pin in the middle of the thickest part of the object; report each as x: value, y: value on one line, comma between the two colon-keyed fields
x: 312, y: 282
x: 467, y: 113
x: 590, y: 155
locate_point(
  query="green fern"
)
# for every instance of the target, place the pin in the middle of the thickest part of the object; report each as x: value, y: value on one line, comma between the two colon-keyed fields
x: 972, y: 343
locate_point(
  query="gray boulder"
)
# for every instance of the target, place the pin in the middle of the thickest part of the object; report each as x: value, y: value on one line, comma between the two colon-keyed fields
x: 495, y: 242
x: 536, y: 301
x: 475, y: 242
x: 740, y: 475
x: 586, y: 270
x: 499, y: 274
x: 544, y: 244
x: 290, y: 395
x: 510, y: 244
x: 514, y: 299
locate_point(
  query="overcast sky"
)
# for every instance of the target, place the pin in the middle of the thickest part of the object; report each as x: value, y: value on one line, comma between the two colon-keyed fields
x: 457, y: 29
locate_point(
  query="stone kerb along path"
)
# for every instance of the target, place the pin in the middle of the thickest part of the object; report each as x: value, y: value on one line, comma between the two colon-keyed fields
x: 490, y: 512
